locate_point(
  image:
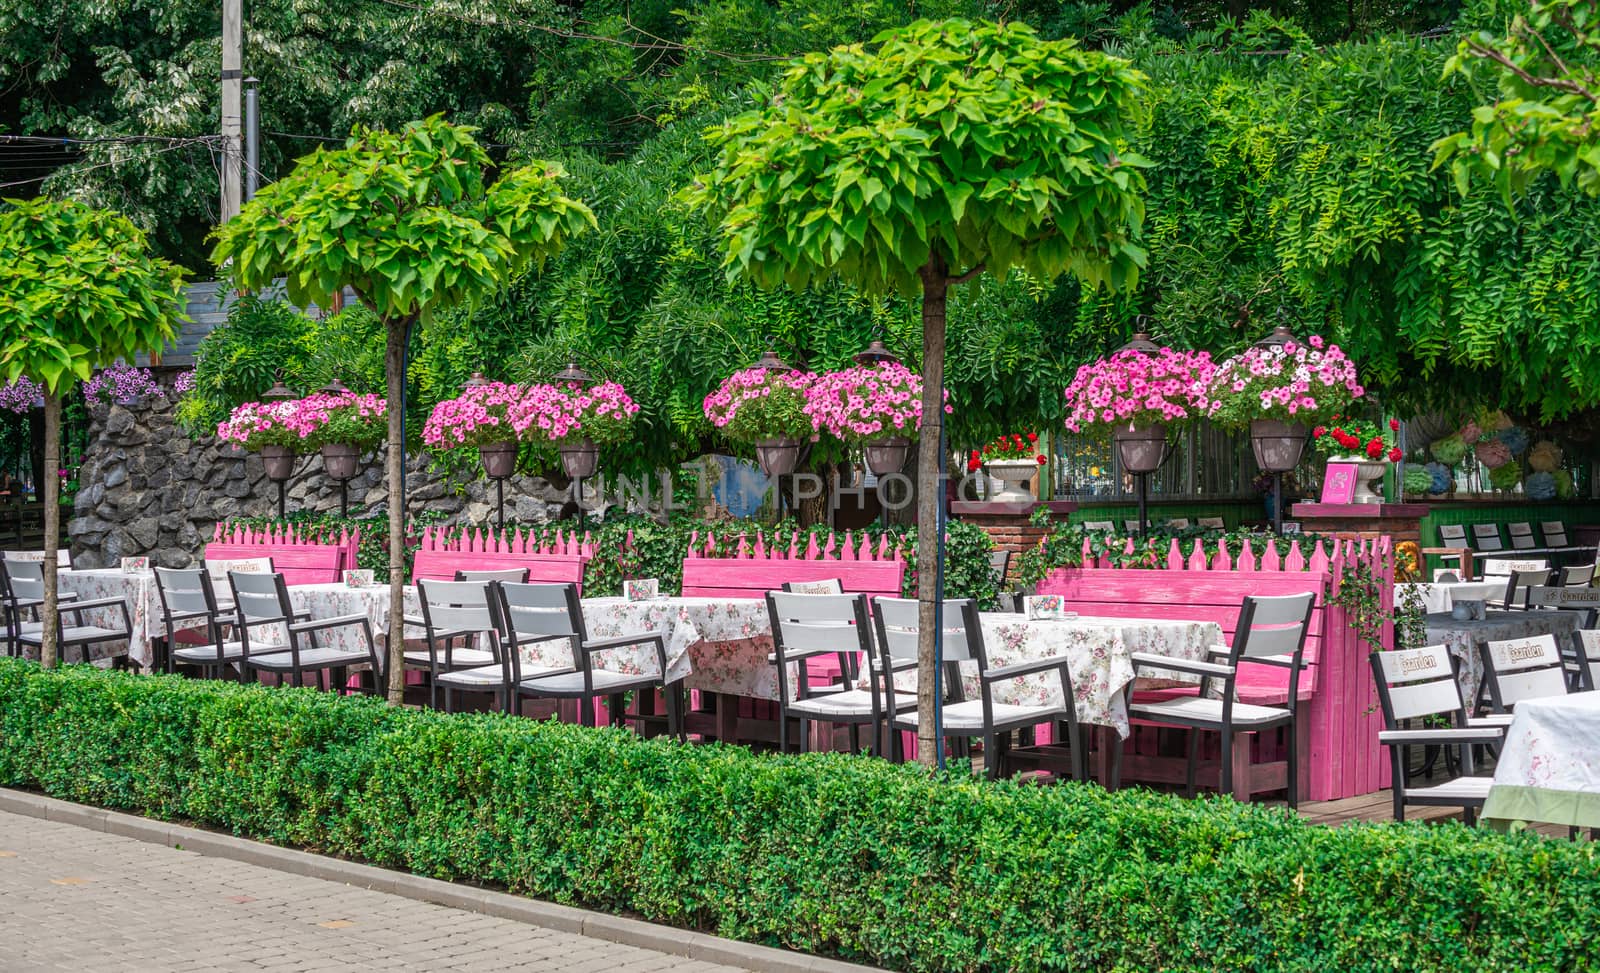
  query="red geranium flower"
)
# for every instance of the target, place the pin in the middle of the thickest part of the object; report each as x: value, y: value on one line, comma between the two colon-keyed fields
x: 1395, y: 455
x: 1033, y: 437
x: 1375, y: 448
x: 1394, y: 425
x: 1041, y: 460
x: 1319, y: 431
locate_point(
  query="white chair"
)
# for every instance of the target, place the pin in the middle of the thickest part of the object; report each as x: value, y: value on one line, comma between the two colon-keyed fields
x: 63, y: 557
x: 1453, y: 535
x: 512, y: 575
x: 1178, y: 523
x: 1555, y: 533
x: 1131, y: 526
x: 1519, y: 669
x: 1415, y: 684
x: 1576, y: 576
x: 24, y: 589
x: 1271, y: 631
x: 1212, y: 523
x: 458, y: 612
x: 1103, y: 525
x: 825, y: 586
x: 897, y: 622
x: 1583, y: 665
x: 1521, y: 536
x: 1486, y: 537
x: 529, y: 613
x: 806, y: 626
x: 220, y: 568
x: 1518, y: 584
x: 262, y: 600
x: 186, y: 598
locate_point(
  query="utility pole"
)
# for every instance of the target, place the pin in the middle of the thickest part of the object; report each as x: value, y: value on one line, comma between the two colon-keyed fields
x: 252, y: 139
x: 232, y: 75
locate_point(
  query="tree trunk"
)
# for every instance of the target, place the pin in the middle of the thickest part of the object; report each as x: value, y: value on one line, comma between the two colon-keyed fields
x: 929, y: 494
x: 50, y: 489
x: 394, y: 365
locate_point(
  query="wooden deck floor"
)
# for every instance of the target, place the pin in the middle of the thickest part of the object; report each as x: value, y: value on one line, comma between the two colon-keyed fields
x: 1378, y: 806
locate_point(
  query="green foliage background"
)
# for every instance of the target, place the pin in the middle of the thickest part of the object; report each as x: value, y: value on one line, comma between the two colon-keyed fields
x: 1292, y: 168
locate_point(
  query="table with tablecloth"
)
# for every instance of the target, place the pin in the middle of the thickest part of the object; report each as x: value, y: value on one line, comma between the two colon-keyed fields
x: 1462, y: 637
x: 1101, y: 652
x: 1441, y: 596
x: 1549, y: 766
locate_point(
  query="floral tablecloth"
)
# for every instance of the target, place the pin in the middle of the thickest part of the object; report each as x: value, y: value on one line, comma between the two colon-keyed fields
x: 1442, y: 596
x: 1462, y: 637
x: 336, y: 599
x: 712, y: 644
x: 1101, y: 651
x: 144, y: 607
x: 1549, y: 766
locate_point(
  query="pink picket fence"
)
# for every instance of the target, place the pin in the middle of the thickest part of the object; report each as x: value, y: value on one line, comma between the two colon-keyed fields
x: 300, y: 558
x: 560, y: 559
x: 1340, y: 718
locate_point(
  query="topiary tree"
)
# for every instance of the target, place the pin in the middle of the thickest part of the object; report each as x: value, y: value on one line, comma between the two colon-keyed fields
x: 78, y: 290
x: 408, y: 221
x: 949, y: 150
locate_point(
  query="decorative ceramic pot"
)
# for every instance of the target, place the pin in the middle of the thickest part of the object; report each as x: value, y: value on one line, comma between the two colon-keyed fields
x: 886, y: 456
x: 1140, y: 449
x: 1278, y: 445
x: 279, y: 461
x: 778, y: 457
x: 1014, y: 474
x: 579, y: 459
x: 340, y: 460
x: 500, y: 459
x: 1367, y: 471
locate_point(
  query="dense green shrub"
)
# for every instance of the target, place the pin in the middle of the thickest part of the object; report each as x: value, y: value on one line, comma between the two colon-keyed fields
x: 826, y: 853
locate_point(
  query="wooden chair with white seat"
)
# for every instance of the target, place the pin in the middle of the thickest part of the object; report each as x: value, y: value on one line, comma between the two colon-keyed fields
x: 530, y: 613
x: 262, y: 600
x: 1486, y: 538
x: 1416, y: 684
x: 806, y: 626
x: 1521, y: 536
x: 22, y: 587
x: 898, y: 623
x: 454, y: 615
x: 1271, y: 631
x: 189, y: 605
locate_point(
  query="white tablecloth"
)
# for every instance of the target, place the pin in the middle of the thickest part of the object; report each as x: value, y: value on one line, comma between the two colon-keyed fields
x: 1101, y: 652
x: 336, y: 599
x: 1442, y: 596
x: 1462, y: 637
x: 1549, y: 767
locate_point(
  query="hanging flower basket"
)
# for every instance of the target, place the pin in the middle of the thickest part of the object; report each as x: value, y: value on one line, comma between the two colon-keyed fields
x: 1277, y: 445
x: 1140, y: 448
x: 778, y: 457
x: 341, y: 460
x: 886, y: 456
x: 279, y: 462
x: 499, y: 459
x: 580, y: 459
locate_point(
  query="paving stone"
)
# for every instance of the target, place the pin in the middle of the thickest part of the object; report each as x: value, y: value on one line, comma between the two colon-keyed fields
x: 75, y: 899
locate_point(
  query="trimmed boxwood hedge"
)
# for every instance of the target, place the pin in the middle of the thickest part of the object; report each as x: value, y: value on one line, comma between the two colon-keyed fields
x: 826, y: 853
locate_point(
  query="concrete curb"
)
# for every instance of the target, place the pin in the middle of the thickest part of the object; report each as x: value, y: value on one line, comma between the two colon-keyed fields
x: 616, y: 929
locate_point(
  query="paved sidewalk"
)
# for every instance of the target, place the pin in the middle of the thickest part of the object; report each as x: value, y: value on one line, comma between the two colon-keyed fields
x: 75, y: 899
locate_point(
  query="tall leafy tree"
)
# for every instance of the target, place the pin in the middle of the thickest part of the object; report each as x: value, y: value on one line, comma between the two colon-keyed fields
x: 948, y: 150
x: 409, y: 221
x: 78, y: 290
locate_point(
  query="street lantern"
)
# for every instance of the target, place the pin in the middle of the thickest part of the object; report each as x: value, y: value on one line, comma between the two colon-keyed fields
x: 1278, y: 445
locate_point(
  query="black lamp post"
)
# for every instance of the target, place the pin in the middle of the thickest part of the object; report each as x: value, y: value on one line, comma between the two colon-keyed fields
x: 499, y: 459
x: 1277, y: 445
x: 279, y: 460
x: 581, y: 458
x: 1141, y: 449
x: 780, y: 455
x: 340, y: 460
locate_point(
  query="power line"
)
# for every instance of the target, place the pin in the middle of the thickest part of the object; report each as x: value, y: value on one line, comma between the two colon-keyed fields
x: 172, y: 146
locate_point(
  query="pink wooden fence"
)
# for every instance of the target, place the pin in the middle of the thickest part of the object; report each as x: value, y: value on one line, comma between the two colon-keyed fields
x: 300, y: 558
x: 738, y: 568
x: 559, y: 560
x: 1341, y: 717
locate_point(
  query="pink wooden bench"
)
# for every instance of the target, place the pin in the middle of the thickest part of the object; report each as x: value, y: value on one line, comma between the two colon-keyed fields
x: 738, y: 568
x: 558, y: 561
x: 300, y: 559
x: 1339, y: 721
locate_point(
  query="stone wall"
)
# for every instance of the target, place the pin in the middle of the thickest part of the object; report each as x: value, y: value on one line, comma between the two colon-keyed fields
x: 147, y: 489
